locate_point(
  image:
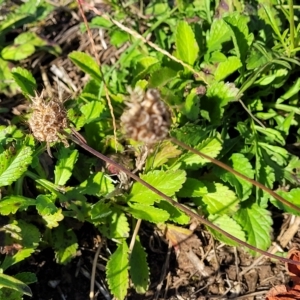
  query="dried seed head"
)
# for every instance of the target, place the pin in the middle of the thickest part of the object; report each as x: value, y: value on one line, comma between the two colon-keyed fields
x: 48, y: 118
x: 147, y: 118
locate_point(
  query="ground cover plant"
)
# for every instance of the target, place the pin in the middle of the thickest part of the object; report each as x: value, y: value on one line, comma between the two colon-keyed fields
x: 191, y: 82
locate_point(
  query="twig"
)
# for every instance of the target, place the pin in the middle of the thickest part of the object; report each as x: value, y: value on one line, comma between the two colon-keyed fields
x: 176, y: 204
x: 136, y: 230
x: 231, y: 170
x: 92, y: 286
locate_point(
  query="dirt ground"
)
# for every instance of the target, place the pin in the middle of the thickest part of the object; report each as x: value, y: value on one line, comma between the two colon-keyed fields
x: 200, y: 269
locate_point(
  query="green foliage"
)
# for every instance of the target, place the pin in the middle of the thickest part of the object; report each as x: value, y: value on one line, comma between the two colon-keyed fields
x: 231, y: 85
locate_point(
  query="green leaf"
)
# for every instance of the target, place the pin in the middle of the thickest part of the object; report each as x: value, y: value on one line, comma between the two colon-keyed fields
x: 191, y: 161
x: 10, y: 204
x: 192, y: 188
x: 168, y: 182
x: 277, y: 154
x: 144, y: 66
x: 241, y: 164
x: 14, y: 52
x: 100, y: 210
x: 271, y: 135
x: 115, y: 225
x: 218, y: 95
x: 219, y: 33
x: 229, y: 225
x: 176, y: 215
x: 147, y: 212
x: 117, y: 272
x: 52, y: 220
x: 64, y: 167
x: 257, y: 223
x: 97, y: 184
x: 26, y: 277
x: 240, y: 33
x: 219, y: 200
x: 93, y: 110
x: 25, y: 234
x: 45, y: 205
x: 161, y: 77
x: 293, y: 196
x: 139, y: 270
x: 12, y: 166
x: 165, y: 151
x: 227, y: 67
x: 25, y: 80
x: 87, y: 64
x: 10, y: 282
x: 65, y: 245
x: 186, y: 45
x: 191, y: 106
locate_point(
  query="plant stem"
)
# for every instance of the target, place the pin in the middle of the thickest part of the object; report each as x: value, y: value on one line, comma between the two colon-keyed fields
x: 178, y: 205
x: 292, y: 24
x: 229, y: 169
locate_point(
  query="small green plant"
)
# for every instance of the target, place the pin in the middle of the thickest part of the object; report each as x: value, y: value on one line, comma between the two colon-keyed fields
x: 229, y: 91
x: 24, y: 44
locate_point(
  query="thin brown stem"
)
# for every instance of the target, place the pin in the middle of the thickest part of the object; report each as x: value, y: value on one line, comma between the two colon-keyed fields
x: 229, y: 169
x: 176, y: 204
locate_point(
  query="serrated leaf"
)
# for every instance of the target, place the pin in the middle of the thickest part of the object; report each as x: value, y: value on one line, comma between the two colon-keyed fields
x: 100, y: 210
x: 64, y: 167
x: 240, y: 33
x: 229, y: 225
x: 64, y: 243
x: 164, y: 152
x: 161, y: 77
x: 219, y: 33
x: 176, y: 215
x: 30, y: 238
x: 218, y: 94
x: 26, y: 277
x: 25, y: 80
x: 144, y: 66
x: 10, y: 204
x: 87, y: 64
x: 168, y: 182
x: 241, y: 164
x: 139, y: 270
x: 115, y: 225
x: 227, y: 67
x: 192, y: 188
x: 147, y: 212
x: 92, y: 111
x: 293, y: 196
x: 12, y: 166
x: 220, y: 200
x: 187, y: 48
x: 272, y: 135
x: 97, y: 184
x: 191, y: 105
x: 45, y: 205
x: 10, y: 282
x: 13, y: 52
x: 277, y: 154
x: 117, y: 272
x: 257, y: 223
x: 52, y: 220
x: 191, y: 161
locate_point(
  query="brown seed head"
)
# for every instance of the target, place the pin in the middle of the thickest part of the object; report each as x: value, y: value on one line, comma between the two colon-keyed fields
x: 147, y: 118
x: 48, y: 118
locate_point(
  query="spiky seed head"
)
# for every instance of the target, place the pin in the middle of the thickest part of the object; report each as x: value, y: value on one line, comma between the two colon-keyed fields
x: 47, y: 120
x: 147, y: 118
